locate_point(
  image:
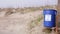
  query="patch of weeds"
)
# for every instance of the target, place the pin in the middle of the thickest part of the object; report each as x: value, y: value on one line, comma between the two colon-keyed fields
x: 59, y: 31
x: 22, y: 12
x: 35, y: 22
x: 47, y: 30
x: 8, y: 13
x: 38, y: 20
x: 58, y: 24
x: 31, y: 25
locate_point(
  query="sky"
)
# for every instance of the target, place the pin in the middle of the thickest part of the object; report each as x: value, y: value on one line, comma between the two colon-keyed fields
x: 26, y: 3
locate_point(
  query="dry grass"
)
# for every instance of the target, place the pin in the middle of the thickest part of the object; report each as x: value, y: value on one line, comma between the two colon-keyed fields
x: 47, y: 30
x: 24, y: 10
x: 35, y: 22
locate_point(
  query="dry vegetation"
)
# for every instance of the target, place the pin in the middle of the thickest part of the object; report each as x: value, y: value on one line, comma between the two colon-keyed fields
x: 34, y: 22
x: 25, y: 9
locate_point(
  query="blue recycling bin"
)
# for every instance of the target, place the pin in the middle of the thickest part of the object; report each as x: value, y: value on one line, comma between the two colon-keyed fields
x: 49, y: 18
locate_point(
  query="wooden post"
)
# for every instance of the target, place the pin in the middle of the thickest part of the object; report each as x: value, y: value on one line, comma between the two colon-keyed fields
x: 57, y: 17
x: 57, y: 24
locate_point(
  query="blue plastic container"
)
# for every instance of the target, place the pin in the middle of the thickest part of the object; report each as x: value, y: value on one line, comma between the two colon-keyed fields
x: 49, y: 18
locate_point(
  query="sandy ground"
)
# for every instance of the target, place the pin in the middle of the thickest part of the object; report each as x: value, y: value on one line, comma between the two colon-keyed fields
x: 18, y: 23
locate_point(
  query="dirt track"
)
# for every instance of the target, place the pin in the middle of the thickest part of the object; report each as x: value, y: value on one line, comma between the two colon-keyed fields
x: 18, y: 23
